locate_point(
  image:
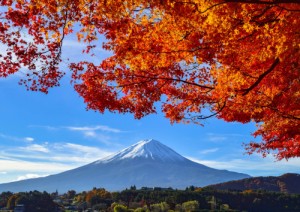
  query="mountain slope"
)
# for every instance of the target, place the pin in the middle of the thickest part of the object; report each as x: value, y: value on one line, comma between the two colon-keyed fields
x: 147, y: 163
x: 287, y: 183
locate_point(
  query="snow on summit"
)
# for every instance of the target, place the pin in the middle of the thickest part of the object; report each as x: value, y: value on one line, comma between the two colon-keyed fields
x: 149, y: 148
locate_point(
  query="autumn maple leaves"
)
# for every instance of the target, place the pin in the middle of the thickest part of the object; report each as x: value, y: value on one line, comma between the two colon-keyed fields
x: 238, y: 59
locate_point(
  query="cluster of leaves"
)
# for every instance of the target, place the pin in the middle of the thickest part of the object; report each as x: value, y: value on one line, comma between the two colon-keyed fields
x: 159, y: 207
x: 4, y: 197
x: 95, y: 196
x: 238, y: 59
x: 32, y: 201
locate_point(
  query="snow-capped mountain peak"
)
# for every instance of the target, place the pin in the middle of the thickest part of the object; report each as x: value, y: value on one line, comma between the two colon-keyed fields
x: 149, y: 148
x: 147, y: 163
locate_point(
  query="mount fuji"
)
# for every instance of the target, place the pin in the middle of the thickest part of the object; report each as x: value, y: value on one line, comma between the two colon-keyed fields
x: 147, y: 163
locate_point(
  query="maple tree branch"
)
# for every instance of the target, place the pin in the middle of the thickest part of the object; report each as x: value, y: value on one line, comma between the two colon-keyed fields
x: 263, y: 1
x: 261, y: 77
x: 177, y: 80
x: 63, y: 33
x: 134, y: 83
x: 275, y: 2
x: 282, y: 114
x: 151, y: 78
x: 290, y: 10
x: 174, y: 51
x: 263, y: 12
x: 201, y: 117
x: 288, y: 116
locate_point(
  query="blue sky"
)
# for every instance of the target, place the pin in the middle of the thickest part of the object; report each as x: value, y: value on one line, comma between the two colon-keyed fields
x: 46, y: 134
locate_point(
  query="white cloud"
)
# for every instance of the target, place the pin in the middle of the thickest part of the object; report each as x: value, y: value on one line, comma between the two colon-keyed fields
x: 29, y: 139
x: 90, y: 134
x: 3, y: 172
x: 35, y: 147
x: 30, y: 176
x: 207, y: 151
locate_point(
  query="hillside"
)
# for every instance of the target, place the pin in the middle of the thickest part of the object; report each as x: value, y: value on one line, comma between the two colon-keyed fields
x: 287, y: 183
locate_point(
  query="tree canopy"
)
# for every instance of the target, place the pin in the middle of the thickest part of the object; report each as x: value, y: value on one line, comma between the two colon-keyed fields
x: 237, y: 59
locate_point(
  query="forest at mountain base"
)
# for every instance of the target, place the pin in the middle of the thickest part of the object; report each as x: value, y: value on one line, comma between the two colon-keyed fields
x: 151, y: 199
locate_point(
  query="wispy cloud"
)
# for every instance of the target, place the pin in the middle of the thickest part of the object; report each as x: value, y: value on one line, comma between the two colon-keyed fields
x: 35, y: 148
x: 102, y: 128
x: 94, y: 128
x: 27, y: 166
x: 217, y: 138
x: 105, y: 139
x: 15, y: 138
x: 88, y: 151
x: 214, y: 137
x: 207, y: 151
x: 8, y: 137
x: 45, y: 159
x: 64, y: 153
x: 100, y: 133
x: 254, y: 166
x: 44, y: 127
